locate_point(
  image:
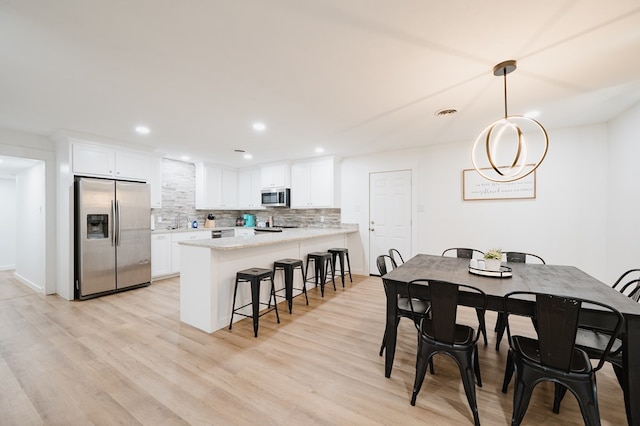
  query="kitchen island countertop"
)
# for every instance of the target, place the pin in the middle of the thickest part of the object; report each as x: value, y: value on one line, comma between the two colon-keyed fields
x: 287, y: 235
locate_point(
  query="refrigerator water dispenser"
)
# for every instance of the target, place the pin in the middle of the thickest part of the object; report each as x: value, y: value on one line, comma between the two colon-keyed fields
x: 97, y: 226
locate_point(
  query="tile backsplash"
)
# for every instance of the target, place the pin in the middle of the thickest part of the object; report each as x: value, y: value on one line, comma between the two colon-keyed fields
x: 178, y: 198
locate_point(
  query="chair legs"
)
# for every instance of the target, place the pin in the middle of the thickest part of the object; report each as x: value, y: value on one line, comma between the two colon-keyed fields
x: 528, y: 377
x: 469, y: 366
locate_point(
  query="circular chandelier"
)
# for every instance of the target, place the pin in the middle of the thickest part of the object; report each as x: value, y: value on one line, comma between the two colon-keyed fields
x: 509, y: 156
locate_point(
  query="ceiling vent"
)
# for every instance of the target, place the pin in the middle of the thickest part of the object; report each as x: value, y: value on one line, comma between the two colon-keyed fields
x: 445, y: 111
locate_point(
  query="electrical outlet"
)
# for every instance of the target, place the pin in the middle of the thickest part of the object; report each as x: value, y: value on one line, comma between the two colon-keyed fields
x: 321, y: 218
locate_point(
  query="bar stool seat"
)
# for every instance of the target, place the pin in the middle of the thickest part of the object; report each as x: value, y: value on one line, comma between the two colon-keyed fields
x: 340, y: 254
x: 288, y: 266
x: 322, y: 261
x: 255, y: 276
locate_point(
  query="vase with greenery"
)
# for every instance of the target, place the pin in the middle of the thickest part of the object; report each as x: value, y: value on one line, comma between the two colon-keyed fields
x: 492, y: 259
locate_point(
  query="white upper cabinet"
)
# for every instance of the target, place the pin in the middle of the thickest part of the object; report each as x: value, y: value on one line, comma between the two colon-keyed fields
x: 314, y: 184
x: 216, y: 188
x: 104, y: 161
x: 249, y: 186
x: 276, y: 176
x: 155, y: 180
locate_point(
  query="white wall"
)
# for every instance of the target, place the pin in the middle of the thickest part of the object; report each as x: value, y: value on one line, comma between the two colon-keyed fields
x: 30, y: 250
x: 20, y: 144
x: 565, y: 224
x: 624, y: 193
x: 8, y: 224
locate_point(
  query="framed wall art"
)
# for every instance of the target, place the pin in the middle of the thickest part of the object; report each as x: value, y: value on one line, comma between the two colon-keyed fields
x: 475, y: 187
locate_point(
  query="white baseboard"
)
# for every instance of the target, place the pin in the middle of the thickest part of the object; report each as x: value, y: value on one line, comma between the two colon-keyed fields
x: 28, y: 283
x: 7, y: 267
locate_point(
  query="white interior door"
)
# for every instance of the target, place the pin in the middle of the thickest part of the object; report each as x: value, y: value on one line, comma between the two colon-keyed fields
x: 389, y: 215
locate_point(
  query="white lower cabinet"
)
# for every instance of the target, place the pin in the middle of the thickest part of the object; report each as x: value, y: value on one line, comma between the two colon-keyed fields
x: 165, y: 251
x: 160, y: 255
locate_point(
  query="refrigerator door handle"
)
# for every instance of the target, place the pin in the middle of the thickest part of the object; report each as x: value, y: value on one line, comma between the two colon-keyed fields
x: 118, y: 223
x: 113, y: 225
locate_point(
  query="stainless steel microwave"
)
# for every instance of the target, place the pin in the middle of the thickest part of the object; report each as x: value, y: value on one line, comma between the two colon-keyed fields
x: 276, y: 197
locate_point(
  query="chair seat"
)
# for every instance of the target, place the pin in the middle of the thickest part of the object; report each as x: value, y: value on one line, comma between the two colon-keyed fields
x: 529, y: 349
x: 419, y: 306
x: 594, y: 342
x: 462, y: 336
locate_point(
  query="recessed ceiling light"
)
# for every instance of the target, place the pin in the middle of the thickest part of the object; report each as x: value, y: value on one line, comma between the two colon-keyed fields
x: 319, y: 150
x: 185, y: 158
x: 143, y: 130
x: 532, y: 114
x: 247, y: 156
x: 259, y: 127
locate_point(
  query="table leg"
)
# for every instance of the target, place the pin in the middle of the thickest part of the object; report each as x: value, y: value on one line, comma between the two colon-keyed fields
x: 631, y: 370
x: 390, y: 332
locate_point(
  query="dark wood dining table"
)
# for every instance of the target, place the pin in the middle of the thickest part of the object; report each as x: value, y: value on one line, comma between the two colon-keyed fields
x: 554, y: 279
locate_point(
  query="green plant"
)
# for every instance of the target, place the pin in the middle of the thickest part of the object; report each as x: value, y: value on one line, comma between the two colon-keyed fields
x: 493, y: 254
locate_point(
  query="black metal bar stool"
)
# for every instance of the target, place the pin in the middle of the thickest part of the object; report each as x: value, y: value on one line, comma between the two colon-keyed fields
x: 255, y: 276
x: 288, y: 266
x: 322, y: 261
x: 340, y: 254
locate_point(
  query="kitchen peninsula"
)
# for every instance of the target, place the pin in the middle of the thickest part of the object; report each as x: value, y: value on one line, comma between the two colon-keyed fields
x: 209, y: 268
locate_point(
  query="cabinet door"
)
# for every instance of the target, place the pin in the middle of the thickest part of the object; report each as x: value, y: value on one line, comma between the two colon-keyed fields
x: 300, y: 189
x: 312, y: 184
x: 229, y: 189
x: 131, y: 165
x: 249, y: 185
x: 160, y: 255
x: 155, y: 180
x: 93, y: 160
x: 275, y: 176
x: 208, y: 187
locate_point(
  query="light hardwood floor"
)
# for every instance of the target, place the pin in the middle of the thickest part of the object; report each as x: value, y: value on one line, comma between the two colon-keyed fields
x: 127, y: 359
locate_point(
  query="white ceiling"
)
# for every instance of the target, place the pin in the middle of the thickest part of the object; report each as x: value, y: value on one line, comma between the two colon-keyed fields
x: 352, y: 76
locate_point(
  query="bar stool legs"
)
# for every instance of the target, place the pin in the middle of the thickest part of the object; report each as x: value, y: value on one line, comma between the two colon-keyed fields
x: 288, y: 266
x: 254, y: 276
x: 322, y: 262
x: 340, y: 254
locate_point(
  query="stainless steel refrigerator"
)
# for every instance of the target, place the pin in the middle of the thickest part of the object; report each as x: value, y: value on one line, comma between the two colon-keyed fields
x: 112, y: 235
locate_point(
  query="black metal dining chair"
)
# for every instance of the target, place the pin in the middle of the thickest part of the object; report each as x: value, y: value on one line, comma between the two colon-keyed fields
x: 421, y: 308
x: 513, y: 257
x: 593, y: 340
x: 440, y: 334
x: 469, y: 253
x: 521, y: 257
x: 554, y: 356
x: 396, y: 256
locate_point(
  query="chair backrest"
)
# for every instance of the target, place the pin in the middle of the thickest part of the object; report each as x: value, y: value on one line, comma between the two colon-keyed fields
x: 463, y: 253
x: 628, y: 285
x: 444, y: 305
x: 557, y: 319
x: 396, y: 256
x: 385, y: 263
x: 520, y: 257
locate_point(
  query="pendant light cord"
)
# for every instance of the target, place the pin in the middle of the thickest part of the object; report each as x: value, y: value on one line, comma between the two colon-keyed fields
x: 504, y: 71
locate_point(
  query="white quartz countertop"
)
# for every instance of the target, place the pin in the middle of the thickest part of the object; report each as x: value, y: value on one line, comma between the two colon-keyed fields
x: 220, y: 228
x: 267, y: 238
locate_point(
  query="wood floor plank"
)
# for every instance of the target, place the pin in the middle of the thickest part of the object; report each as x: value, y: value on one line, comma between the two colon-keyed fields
x: 127, y: 359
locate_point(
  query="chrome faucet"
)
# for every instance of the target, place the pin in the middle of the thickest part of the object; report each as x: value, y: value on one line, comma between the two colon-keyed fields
x: 178, y: 223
